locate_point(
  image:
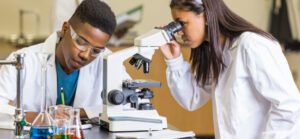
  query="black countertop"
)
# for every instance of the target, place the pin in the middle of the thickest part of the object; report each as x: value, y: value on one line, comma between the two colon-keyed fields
x: 93, y: 133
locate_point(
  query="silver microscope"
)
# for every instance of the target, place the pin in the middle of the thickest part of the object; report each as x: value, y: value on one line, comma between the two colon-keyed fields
x: 125, y: 108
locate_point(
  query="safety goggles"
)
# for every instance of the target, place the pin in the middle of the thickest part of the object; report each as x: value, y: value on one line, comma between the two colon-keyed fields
x: 83, y: 45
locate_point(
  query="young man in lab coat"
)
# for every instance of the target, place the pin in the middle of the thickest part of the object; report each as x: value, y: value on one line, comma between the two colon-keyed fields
x: 74, y: 63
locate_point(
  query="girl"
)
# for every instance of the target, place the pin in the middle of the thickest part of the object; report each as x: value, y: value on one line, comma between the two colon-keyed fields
x: 240, y: 66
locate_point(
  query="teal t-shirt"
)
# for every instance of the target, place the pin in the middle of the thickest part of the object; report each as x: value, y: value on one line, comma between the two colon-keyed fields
x: 68, y: 83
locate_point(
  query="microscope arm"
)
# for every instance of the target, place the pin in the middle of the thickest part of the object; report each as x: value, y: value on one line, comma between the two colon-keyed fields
x: 113, y: 78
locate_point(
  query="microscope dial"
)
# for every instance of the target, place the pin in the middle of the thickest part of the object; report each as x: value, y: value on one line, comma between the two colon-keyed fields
x: 115, y: 97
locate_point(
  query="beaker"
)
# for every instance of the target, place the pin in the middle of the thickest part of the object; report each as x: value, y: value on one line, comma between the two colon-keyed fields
x: 75, y: 129
x: 43, y: 125
x: 62, y: 116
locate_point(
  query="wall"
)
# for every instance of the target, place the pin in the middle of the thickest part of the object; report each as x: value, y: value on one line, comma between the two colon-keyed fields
x: 156, y: 12
x: 9, y: 15
x: 255, y: 11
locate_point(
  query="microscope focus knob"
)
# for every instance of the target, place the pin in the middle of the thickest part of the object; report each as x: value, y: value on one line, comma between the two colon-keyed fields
x: 115, y: 97
x: 146, y: 106
x: 133, y: 99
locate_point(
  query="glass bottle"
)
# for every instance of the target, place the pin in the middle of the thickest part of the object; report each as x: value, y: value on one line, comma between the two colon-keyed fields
x: 43, y: 124
x: 75, y: 129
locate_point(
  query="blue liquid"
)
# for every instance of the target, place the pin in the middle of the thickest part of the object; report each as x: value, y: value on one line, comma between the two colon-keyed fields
x: 41, y: 132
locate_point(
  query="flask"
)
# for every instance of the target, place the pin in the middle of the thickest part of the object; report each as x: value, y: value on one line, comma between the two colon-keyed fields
x: 43, y: 124
x: 75, y: 129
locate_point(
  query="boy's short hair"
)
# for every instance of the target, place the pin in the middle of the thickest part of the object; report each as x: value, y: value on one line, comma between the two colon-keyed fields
x: 98, y: 14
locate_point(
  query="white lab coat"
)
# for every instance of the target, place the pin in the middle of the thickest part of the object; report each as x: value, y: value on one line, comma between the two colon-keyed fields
x: 89, y: 86
x: 256, y: 96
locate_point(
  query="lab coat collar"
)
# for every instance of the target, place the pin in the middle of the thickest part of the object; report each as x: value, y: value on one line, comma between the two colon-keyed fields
x: 50, y: 46
x: 234, y: 43
x: 226, y: 53
x: 229, y: 47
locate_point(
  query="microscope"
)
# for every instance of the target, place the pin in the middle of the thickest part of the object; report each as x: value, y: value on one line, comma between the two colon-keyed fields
x: 125, y: 106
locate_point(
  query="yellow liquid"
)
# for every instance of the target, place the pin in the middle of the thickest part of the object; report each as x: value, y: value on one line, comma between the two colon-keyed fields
x: 59, y: 136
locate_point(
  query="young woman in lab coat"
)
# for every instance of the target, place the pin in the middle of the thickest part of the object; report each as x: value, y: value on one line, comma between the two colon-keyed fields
x: 239, y: 66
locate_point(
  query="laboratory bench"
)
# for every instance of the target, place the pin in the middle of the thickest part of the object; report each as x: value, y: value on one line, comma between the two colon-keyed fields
x: 92, y: 133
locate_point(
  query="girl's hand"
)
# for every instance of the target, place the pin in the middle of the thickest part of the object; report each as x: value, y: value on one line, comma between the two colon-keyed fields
x: 170, y: 50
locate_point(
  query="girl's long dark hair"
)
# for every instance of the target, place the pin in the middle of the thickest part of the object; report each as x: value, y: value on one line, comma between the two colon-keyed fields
x: 207, y: 60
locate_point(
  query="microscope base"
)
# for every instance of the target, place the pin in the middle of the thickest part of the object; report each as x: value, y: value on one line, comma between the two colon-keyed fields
x: 123, y: 123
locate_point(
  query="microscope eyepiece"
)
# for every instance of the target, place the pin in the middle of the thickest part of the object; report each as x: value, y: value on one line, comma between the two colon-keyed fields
x: 172, y: 28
